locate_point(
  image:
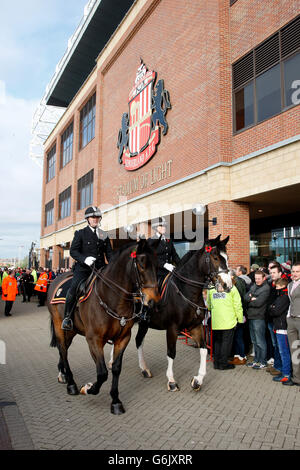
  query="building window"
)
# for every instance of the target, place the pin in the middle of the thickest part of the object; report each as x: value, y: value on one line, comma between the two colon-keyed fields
x: 85, y: 190
x: 87, y: 122
x: 268, y: 94
x: 244, y: 100
x: 292, y: 85
x: 64, y: 209
x: 51, y: 159
x: 67, y: 146
x: 267, y: 80
x: 49, y: 211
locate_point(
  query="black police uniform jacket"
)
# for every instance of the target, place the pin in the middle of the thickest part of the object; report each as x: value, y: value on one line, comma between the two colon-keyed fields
x: 166, y: 253
x: 86, y: 243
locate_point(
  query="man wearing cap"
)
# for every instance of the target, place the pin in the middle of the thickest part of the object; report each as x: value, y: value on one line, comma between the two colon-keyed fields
x: 88, y: 247
x: 166, y: 252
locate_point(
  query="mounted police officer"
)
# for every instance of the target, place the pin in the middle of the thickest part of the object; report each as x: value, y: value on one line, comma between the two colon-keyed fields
x: 166, y: 253
x: 88, y: 247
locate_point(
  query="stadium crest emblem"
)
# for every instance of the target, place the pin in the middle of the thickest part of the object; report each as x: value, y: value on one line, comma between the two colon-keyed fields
x: 141, y: 126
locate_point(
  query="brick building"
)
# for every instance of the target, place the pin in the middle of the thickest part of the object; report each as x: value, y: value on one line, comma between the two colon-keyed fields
x: 232, y: 74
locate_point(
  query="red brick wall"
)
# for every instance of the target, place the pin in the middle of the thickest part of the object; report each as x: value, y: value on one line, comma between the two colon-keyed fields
x: 232, y: 219
x: 83, y: 161
x: 184, y: 46
x: 251, y: 22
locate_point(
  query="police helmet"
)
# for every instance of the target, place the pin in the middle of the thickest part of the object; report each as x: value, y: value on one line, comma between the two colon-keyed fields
x: 159, y: 221
x: 92, y: 211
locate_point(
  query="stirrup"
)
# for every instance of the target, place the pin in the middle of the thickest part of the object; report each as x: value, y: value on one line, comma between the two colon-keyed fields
x: 67, y: 324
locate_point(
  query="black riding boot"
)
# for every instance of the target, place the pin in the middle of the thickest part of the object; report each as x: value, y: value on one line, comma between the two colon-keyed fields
x: 70, y: 305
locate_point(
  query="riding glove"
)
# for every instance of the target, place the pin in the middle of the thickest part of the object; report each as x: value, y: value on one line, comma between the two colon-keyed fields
x: 89, y: 260
x: 169, y: 266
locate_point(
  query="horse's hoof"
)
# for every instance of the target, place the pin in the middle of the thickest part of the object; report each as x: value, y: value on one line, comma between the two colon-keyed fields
x: 195, y: 385
x: 72, y: 389
x: 85, y: 389
x: 173, y: 387
x: 117, y: 409
x: 147, y: 374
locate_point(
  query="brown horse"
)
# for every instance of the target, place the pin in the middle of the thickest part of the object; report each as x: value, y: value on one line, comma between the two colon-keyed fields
x: 126, y: 283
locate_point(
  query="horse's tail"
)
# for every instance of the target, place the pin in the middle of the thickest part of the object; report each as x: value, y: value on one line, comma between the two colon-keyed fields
x: 53, y: 342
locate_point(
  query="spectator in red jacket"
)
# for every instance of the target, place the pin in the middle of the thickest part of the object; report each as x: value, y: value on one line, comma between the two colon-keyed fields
x: 9, y: 292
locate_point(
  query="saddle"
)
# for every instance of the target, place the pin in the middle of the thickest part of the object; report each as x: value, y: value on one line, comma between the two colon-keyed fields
x: 83, y: 291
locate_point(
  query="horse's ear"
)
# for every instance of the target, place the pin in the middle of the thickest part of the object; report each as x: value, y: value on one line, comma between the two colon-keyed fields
x: 142, y: 243
x: 225, y: 241
x: 215, y: 241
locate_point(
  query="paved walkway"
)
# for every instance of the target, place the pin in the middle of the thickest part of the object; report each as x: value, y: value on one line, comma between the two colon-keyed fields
x: 236, y: 409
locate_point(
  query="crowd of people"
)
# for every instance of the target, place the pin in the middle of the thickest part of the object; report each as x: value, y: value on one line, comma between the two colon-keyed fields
x: 27, y: 283
x: 259, y: 318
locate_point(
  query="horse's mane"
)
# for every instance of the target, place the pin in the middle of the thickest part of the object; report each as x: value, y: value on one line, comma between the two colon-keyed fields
x: 185, y: 258
x: 120, y: 250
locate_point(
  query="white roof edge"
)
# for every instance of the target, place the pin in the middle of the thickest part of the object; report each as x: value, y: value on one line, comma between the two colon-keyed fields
x: 73, y: 41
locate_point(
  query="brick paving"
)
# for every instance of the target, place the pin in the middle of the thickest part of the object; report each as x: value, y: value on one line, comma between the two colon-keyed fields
x: 236, y: 409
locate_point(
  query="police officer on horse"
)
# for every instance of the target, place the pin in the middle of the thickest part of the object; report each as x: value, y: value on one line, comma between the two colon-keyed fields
x: 167, y: 255
x: 88, y: 247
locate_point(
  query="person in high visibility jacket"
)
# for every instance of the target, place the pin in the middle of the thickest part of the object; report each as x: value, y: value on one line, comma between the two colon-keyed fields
x: 34, y: 274
x: 9, y: 292
x: 41, y: 287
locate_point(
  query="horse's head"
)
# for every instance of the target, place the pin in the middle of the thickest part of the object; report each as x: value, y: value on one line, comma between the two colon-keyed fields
x: 146, y: 269
x: 214, y: 263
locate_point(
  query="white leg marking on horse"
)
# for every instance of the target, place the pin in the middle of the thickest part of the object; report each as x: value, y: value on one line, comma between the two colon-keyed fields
x: 86, y: 387
x: 61, y: 378
x: 142, y: 362
x: 202, y: 368
x: 111, y: 360
x: 170, y: 370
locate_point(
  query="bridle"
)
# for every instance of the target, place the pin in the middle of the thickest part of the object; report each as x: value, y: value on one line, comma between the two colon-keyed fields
x: 132, y: 296
x: 209, y: 283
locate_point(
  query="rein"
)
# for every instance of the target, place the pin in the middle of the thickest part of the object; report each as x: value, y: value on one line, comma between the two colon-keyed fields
x: 109, y: 282
x: 193, y: 304
x: 195, y: 283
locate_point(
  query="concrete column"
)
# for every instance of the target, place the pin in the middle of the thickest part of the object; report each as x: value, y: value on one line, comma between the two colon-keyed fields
x: 42, y: 258
x: 55, y: 258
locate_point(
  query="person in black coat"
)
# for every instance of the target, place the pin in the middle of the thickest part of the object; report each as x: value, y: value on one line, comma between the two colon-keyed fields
x: 278, y: 311
x: 26, y: 282
x: 167, y: 255
x: 88, y: 247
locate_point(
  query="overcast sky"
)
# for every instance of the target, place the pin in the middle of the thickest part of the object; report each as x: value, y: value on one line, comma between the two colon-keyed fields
x: 33, y: 38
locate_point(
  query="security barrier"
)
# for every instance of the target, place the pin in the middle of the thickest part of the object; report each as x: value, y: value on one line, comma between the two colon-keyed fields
x: 208, y: 339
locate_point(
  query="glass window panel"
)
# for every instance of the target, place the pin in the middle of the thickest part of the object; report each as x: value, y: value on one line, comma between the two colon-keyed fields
x: 268, y: 95
x: 291, y: 77
x: 87, y: 122
x: 244, y: 107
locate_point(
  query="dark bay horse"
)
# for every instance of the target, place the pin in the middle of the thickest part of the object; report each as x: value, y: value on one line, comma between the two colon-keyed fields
x: 182, y: 306
x: 107, y: 314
